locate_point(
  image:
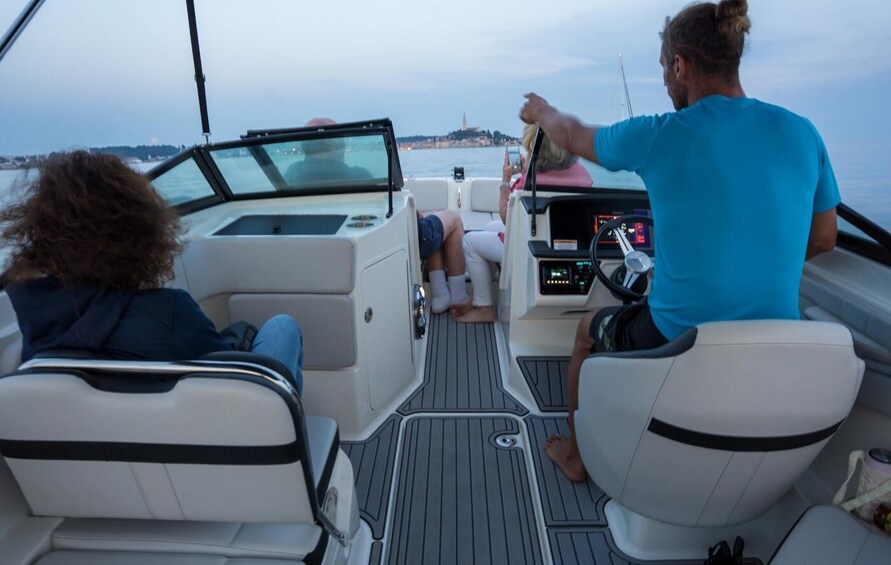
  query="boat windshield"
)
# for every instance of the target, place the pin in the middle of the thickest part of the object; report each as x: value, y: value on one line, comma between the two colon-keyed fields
x: 341, y: 160
x: 604, y: 178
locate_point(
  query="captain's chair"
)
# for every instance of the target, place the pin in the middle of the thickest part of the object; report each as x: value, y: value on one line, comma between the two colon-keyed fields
x: 713, y: 428
x: 203, y: 457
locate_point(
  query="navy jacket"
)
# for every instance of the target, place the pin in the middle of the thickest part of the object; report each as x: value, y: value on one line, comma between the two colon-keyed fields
x: 160, y: 324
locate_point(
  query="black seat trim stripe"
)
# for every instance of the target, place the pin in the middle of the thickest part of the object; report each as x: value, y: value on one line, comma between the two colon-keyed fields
x: 325, y: 479
x: 738, y: 443
x: 152, y: 452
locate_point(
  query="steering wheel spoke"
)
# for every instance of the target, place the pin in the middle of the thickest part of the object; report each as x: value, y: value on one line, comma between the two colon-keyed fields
x: 624, y: 244
x: 637, y: 263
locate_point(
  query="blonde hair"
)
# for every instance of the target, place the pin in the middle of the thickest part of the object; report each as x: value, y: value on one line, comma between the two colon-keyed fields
x: 550, y: 157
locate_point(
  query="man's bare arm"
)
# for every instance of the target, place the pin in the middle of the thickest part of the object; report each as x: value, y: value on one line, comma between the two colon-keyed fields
x: 563, y: 129
x: 824, y: 228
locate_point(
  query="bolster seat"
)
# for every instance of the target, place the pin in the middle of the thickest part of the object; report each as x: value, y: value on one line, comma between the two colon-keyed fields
x: 206, y: 458
x: 714, y: 427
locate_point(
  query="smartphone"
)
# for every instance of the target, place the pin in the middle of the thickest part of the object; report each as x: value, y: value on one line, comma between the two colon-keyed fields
x: 513, y: 156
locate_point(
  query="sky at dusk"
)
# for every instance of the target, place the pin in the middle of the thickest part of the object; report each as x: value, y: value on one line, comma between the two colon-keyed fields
x: 112, y: 72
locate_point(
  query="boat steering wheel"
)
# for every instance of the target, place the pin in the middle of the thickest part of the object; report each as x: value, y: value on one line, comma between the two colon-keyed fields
x: 637, y: 263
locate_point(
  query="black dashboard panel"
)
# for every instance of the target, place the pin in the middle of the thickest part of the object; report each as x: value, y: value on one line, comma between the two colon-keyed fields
x: 575, y: 219
x: 564, y: 260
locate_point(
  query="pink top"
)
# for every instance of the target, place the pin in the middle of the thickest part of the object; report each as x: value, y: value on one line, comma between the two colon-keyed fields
x: 575, y: 175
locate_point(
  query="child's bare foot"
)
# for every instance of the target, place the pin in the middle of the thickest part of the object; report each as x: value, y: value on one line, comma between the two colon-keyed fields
x: 461, y: 308
x: 558, y: 449
x: 477, y: 315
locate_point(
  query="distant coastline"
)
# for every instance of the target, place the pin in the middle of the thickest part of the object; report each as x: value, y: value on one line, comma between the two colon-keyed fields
x: 463, y: 138
x: 129, y: 153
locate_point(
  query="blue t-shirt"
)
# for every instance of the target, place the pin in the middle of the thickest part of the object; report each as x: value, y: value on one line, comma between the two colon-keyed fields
x: 733, y: 184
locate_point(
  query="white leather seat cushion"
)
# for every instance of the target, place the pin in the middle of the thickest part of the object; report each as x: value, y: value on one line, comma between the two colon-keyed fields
x: 430, y: 194
x: 476, y: 220
x: 827, y: 535
x: 485, y: 195
x: 117, y: 558
x: 264, y: 540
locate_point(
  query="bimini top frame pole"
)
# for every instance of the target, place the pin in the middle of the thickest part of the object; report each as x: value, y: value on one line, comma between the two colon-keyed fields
x: 531, y: 181
x: 199, y: 73
x: 20, y: 23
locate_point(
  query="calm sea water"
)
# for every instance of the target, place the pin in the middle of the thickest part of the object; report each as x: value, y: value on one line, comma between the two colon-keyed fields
x: 863, y: 170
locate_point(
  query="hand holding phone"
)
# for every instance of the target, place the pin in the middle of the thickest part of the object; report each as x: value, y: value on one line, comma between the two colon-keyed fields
x: 514, y: 158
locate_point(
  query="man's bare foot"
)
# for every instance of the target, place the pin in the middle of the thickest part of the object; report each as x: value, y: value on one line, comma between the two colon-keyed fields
x: 461, y: 308
x: 559, y: 450
x: 477, y: 315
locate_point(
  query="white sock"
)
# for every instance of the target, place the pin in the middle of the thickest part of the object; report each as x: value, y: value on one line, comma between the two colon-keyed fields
x: 458, y: 288
x: 441, y: 299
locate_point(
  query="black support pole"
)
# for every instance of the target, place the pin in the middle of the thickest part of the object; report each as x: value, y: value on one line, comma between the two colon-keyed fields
x: 9, y: 38
x: 199, y: 74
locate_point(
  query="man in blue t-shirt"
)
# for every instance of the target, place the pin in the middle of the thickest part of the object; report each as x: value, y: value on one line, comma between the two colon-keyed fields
x: 742, y: 193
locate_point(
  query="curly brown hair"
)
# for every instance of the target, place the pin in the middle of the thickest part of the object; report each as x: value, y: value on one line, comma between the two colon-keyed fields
x: 711, y: 36
x: 90, y: 218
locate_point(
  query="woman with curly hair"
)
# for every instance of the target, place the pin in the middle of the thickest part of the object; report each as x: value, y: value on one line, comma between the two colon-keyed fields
x: 92, y: 244
x: 482, y: 248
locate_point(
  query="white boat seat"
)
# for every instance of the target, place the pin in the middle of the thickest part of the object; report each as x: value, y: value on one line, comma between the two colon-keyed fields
x: 827, y: 535
x: 430, y: 194
x: 714, y: 427
x: 484, y: 199
x: 212, y: 456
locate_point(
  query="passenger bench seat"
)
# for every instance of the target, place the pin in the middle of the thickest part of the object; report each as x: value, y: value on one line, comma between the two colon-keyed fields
x: 827, y: 535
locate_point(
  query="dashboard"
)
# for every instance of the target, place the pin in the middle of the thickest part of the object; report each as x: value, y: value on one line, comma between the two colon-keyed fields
x: 564, y: 262
x: 574, y: 224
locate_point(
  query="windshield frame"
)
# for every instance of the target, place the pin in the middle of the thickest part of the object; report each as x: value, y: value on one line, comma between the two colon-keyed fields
x: 255, y: 141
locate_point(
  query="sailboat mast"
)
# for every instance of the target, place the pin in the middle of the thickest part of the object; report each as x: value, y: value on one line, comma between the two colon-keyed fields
x: 625, y: 88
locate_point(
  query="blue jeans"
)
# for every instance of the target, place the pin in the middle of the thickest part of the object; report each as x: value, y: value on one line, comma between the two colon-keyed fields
x: 280, y: 338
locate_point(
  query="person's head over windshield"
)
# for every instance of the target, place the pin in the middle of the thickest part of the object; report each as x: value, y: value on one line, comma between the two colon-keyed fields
x: 323, y: 148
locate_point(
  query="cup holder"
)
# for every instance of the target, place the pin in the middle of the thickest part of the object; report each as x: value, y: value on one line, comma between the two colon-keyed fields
x: 360, y: 225
x: 363, y: 218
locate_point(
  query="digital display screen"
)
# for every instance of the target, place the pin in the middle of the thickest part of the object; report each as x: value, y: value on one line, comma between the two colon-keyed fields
x: 559, y: 273
x: 637, y: 233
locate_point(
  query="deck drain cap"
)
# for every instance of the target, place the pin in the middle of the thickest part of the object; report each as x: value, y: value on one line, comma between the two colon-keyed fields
x: 505, y: 441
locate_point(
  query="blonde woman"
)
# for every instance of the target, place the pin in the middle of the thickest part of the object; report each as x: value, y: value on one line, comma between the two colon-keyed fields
x: 554, y: 167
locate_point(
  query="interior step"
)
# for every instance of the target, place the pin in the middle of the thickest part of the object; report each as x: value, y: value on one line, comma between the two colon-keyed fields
x: 546, y: 377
